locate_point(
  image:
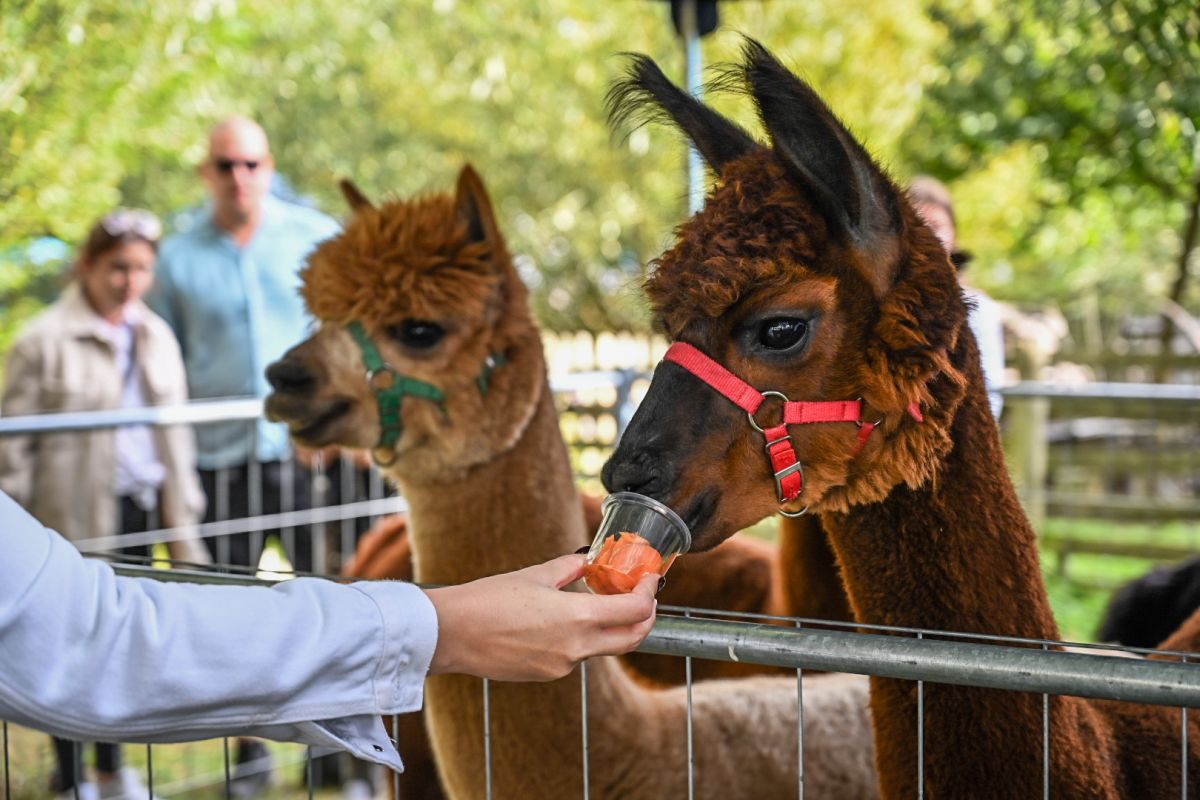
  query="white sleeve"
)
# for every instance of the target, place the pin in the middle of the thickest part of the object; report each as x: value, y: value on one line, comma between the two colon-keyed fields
x: 89, y: 655
x: 986, y: 324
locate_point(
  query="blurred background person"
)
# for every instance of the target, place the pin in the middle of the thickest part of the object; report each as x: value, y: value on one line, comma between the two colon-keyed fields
x: 932, y: 201
x: 99, y: 347
x: 228, y: 286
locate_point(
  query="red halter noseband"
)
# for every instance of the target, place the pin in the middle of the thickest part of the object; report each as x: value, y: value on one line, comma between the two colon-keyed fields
x: 785, y: 464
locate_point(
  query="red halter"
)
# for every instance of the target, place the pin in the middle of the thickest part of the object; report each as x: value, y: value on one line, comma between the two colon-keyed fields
x: 785, y: 464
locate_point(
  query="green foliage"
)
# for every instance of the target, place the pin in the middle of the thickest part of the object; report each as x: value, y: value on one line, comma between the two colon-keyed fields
x: 1072, y: 129
x: 107, y: 102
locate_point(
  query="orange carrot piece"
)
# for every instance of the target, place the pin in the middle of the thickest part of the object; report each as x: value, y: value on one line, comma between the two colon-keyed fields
x: 622, y: 560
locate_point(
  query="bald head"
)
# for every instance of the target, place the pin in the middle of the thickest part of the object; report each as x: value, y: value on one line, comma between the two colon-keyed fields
x: 237, y: 130
x: 238, y: 173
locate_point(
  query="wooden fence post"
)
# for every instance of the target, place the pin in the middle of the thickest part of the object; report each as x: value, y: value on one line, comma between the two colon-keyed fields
x: 1026, y: 435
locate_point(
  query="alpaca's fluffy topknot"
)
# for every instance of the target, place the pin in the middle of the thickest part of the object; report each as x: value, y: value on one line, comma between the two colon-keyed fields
x: 404, y: 260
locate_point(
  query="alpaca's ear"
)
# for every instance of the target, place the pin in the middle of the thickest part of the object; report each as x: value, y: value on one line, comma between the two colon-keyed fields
x: 838, y: 174
x: 645, y: 94
x: 354, y: 197
x: 472, y: 205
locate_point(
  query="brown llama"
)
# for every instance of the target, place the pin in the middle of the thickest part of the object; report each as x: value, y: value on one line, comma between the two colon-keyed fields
x: 429, y: 287
x: 808, y: 273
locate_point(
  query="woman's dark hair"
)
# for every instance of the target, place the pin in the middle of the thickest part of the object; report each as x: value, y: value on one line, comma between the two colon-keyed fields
x: 117, y: 228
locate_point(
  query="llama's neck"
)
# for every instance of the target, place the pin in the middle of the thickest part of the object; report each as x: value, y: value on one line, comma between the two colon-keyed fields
x: 518, y: 509
x: 957, y: 553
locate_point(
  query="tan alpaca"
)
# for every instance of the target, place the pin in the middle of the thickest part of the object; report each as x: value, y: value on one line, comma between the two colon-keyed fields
x: 490, y: 490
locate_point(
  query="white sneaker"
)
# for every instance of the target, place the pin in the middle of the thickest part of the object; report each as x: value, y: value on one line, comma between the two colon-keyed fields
x: 125, y: 785
x: 87, y: 791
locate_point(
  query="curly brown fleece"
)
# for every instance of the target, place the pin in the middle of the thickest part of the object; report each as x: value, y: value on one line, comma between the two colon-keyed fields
x: 924, y: 520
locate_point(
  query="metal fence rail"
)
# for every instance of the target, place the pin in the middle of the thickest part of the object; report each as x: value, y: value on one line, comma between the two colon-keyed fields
x: 996, y: 664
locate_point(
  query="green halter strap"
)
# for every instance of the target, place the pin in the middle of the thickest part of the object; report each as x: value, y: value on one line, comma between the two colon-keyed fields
x: 390, y: 388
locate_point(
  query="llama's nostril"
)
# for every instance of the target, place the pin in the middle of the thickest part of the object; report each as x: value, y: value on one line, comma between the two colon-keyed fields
x: 632, y: 475
x: 290, y: 377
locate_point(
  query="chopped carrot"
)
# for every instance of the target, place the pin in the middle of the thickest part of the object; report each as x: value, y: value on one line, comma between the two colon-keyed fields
x: 623, y: 559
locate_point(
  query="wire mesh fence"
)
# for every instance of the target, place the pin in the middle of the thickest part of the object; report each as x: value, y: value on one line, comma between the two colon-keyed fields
x: 1103, y: 451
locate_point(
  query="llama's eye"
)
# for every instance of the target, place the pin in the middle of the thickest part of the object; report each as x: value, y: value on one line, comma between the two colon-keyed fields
x: 417, y: 333
x: 782, y: 333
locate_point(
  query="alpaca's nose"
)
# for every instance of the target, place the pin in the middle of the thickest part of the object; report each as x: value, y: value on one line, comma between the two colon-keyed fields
x: 291, y: 376
x: 637, y: 472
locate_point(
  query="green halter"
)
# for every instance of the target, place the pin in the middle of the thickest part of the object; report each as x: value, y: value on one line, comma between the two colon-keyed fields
x: 390, y: 389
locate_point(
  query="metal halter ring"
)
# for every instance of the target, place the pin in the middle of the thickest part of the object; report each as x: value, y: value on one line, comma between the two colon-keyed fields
x: 749, y: 416
x: 793, y: 514
x: 858, y: 423
x: 387, y: 373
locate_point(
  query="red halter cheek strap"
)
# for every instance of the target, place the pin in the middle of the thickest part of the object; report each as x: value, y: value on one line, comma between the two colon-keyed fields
x: 785, y: 464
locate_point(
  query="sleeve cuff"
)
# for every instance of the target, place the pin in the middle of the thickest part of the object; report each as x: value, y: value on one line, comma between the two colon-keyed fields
x: 410, y: 632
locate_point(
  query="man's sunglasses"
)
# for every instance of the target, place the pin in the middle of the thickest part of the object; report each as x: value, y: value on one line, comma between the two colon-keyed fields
x: 226, y: 166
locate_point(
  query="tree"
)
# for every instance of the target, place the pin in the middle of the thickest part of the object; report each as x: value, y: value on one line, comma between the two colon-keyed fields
x: 1089, y: 108
x: 110, y: 102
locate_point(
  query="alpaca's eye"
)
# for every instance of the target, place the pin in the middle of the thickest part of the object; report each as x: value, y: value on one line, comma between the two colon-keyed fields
x: 417, y: 333
x: 782, y: 333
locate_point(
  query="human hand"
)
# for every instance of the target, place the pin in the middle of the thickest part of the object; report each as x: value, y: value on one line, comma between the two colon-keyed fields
x: 520, y: 626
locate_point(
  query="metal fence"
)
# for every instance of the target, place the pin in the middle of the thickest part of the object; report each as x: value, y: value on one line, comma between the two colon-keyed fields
x: 342, y: 507
x: 919, y: 655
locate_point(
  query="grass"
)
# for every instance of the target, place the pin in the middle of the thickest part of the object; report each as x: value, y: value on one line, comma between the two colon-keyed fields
x: 193, y: 769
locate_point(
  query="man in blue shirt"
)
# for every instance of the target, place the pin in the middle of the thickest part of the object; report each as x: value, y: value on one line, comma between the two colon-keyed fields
x: 228, y: 285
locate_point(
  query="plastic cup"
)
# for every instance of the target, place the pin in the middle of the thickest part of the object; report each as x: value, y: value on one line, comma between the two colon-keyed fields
x: 638, y: 536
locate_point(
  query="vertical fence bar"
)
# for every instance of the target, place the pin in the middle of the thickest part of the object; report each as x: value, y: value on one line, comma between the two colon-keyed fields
x: 920, y: 735
x: 318, y: 493
x: 691, y: 750
x: 1183, y: 782
x: 396, y: 742
x: 254, y: 500
x: 221, y: 479
x: 694, y: 63
x: 149, y: 772
x: 228, y: 771
x: 77, y: 766
x: 1045, y: 742
x: 376, y: 490
x: 348, y: 493
x: 287, y: 502
x: 7, y: 772
x: 583, y: 694
x: 487, y: 737
x: 800, y: 724
x: 308, y: 770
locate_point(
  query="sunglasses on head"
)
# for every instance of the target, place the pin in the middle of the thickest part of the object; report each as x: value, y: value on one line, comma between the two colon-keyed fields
x: 226, y: 166
x: 133, y: 221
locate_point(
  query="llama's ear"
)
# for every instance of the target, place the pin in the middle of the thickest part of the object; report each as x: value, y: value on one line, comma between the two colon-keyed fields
x: 645, y: 94
x: 849, y: 189
x: 354, y: 196
x: 472, y: 206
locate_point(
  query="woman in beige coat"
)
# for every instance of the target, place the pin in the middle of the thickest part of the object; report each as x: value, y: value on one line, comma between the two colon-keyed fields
x: 99, y: 347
